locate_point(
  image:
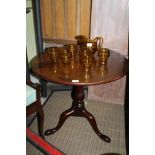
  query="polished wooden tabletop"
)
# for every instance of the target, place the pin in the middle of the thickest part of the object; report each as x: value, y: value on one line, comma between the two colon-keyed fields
x: 74, y: 73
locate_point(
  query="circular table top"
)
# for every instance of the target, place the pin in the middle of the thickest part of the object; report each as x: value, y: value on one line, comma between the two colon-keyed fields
x: 74, y: 73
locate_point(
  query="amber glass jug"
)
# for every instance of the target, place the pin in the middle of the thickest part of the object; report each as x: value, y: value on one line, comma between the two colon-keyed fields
x: 91, y: 44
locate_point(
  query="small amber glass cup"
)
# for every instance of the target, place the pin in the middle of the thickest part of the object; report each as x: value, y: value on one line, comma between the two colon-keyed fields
x: 65, y: 56
x: 72, y: 48
x: 87, y: 62
x: 103, y: 55
x: 53, y: 54
x: 86, y: 53
x: 65, y: 59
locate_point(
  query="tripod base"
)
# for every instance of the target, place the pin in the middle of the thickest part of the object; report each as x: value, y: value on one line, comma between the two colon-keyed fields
x: 78, y: 109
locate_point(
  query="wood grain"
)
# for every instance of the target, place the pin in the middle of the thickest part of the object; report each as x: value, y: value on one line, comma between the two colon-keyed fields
x: 85, y: 17
x: 64, y: 19
x: 59, y: 15
x: 71, y: 14
x: 47, y: 18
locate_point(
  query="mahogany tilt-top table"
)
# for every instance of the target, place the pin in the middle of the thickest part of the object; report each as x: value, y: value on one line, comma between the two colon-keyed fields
x: 74, y: 75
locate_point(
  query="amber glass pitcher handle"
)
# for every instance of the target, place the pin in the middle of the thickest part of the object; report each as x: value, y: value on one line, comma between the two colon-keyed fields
x: 99, y: 41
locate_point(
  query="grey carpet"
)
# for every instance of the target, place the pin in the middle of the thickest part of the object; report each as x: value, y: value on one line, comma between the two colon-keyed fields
x: 76, y: 137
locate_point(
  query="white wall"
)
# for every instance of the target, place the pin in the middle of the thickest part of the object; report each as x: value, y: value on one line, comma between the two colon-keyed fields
x: 110, y: 20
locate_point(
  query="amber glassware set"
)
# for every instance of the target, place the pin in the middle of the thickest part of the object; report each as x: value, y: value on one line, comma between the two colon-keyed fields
x: 82, y: 52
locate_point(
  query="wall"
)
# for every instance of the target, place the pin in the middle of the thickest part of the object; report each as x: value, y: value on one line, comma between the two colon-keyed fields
x: 30, y: 34
x: 110, y: 20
